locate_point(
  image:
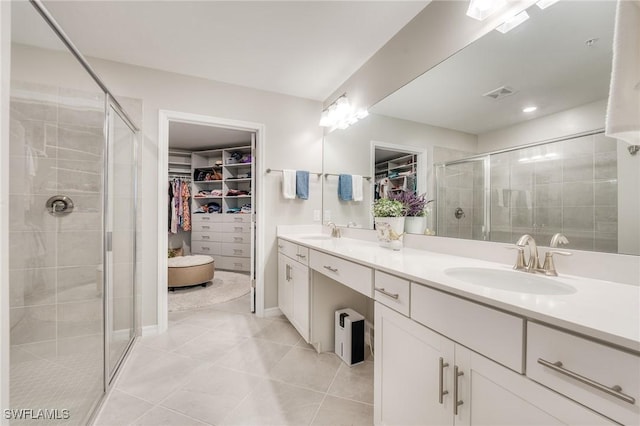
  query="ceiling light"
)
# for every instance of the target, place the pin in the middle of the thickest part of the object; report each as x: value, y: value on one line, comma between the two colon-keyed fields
x: 340, y: 114
x: 481, y: 9
x: 543, y: 4
x: 513, y: 22
x: 529, y: 109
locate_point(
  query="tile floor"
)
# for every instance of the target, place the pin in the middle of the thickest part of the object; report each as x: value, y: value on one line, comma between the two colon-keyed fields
x: 225, y: 366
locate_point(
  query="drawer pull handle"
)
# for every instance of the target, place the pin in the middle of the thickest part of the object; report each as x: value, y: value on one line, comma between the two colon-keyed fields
x: 237, y: 219
x: 237, y: 239
x: 386, y: 293
x: 613, y: 391
x: 205, y: 227
x: 205, y: 237
x: 301, y: 256
x: 441, y: 391
x: 206, y: 218
x: 330, y: 268
x: 206, y: 248
x: 237, y: 251
x: 456, y: 402
x: 280, y: 246
x: 238, y: 265
x: 237, y: 228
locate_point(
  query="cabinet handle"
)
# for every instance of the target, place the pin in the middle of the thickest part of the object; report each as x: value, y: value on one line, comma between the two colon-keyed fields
x: 237, y: 239
x: 391, y: 295
x: 330, y: 268
x: 237, y: 228
x: 205, y: 227
x: 280, y: 246
x: 441, y: 392
x: 301, y: 256
x: 287, y: 274
x: 613, y: 391
x: 237, y: 265
x: 205, y: 237
x: 237, y: 219
x: 206, y: 248
x: 456, y: 402
x: 206, y: 218
x: 237, y: 251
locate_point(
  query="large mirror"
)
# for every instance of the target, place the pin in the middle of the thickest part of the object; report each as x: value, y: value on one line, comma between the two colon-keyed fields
x: 495, y: 169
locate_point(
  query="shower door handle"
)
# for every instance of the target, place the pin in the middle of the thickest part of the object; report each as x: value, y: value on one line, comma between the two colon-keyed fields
x: 59, y: 204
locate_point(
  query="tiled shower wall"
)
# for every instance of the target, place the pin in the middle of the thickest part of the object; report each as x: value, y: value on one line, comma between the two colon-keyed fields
x: 569, y: 187
x: 56, y: 147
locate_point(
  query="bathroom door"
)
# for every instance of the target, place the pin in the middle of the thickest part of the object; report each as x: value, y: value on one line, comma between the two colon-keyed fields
x: 120, y: 235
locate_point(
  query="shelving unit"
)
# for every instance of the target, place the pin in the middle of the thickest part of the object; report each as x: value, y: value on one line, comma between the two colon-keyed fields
x: 226, y: 234
x: 397, y: 169
x: 179, y: 163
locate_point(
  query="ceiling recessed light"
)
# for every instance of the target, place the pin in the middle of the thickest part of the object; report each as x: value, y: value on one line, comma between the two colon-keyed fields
x: 529, y: 109
x: 513, y: 22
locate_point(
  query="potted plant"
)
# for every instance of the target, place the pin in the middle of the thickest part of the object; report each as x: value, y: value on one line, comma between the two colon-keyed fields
x: 415, y: 208
x: 389, y: 222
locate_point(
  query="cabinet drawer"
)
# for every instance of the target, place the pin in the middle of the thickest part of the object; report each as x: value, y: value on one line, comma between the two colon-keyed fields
x: 238, y: 228
x: 238, y: 250
x: 595, y: 362
x: 206, y: 218
x: 236, y: 238
x: 287, y: 248
x: 354, y: 276
x: 234, y: 263
x: 392, y: 292
x: 206, y: 227
x: 302, y: 255
x: 206, y: 236
x: 237, y: 218
x: 495, y: 334
x: 203, y: 247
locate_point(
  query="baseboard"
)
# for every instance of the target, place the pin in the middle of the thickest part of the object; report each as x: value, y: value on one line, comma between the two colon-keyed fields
x: 149, y: 330
x: 272, y: 312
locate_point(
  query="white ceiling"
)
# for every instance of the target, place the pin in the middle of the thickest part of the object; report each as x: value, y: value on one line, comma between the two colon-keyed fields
x: 194, y: 137
x: 300, y: 48
x: 545, y: 60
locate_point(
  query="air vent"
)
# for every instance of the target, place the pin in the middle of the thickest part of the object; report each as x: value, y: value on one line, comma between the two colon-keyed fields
x: 500, y: 92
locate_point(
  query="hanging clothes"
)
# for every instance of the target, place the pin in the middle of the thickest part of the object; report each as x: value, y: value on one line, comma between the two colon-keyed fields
x: 186, y: 215
x: 179, y: 211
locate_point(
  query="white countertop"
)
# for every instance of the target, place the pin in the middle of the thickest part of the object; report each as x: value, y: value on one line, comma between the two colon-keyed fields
x: 603, y: 310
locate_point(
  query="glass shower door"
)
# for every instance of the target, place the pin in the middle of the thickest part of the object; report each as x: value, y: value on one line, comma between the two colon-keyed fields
x: 120, y: 232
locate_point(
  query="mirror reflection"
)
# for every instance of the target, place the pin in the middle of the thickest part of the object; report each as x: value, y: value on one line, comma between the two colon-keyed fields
x: 534, y: 100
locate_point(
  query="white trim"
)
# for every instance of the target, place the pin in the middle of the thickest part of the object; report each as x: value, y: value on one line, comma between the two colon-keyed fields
x: 150, y: 330
x: 421, y: 159
x: 272, y: 312
x: 164, y: 117
x: 5, y: 87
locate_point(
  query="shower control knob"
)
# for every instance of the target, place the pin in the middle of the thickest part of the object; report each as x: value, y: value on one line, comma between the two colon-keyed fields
x: 59, y: 204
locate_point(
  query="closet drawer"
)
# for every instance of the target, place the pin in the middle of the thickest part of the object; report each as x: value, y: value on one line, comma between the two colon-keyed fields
x: 206, y: 218
x: 203, y: 247
x: 493, y: 333
x: 595, y: 362
x: 206, y: 236
x: 234, y: 263
x: 392, y: 292
x: 238, y: 250
x: 354, y: 276
x: 237, y: 218
x: 238, y: 228
x: 206, y: 227
x: 236, y: 238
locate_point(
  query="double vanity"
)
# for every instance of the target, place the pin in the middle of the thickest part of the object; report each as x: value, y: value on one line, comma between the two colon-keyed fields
x: 465, y: 341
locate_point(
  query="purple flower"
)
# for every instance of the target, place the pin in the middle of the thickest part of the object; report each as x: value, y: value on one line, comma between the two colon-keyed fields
x: 414, y: 204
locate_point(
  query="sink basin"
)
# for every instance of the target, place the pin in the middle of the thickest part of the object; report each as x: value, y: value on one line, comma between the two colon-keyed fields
x: 315, y: 237
x: 516, y: 281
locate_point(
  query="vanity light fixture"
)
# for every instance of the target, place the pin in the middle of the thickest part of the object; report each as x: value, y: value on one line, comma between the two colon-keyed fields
x: 513, y: 22
x: 529, y: 109
x: 340, y: 114
x: 481, y: 9
x: 543, y: 4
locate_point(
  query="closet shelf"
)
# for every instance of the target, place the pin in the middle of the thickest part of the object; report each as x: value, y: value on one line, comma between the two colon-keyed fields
x: 229, y: 180
x: 238, y: 165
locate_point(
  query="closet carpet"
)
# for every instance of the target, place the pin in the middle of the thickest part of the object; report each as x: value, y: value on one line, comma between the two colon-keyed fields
x: 226, y: 285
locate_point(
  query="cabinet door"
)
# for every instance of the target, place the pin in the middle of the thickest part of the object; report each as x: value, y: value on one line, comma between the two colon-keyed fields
x: 285, y: 286
x: 407, y: 373
x: 499, y: 396
x: 300, y: 280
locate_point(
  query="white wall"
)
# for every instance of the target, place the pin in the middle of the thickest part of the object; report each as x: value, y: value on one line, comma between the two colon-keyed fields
x: 5, y: 64
x: 292, y: 140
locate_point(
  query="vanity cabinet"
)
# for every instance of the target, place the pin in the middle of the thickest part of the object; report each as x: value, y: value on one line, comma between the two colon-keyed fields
x: 293, y: 285
x: 415, y: 383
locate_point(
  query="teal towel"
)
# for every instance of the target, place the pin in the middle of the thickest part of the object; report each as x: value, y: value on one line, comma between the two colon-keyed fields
x: 345, y: 188
x: 302, y: 184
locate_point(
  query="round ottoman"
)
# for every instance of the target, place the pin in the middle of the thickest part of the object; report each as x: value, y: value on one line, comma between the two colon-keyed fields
x: 189, y: 270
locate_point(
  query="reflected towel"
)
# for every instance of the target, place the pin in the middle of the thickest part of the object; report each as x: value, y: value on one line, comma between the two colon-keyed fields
x: 302, y: 184
x: 623, y: 109
x: 289, y: 184
x: 356, y: 185
x: 345, y: 188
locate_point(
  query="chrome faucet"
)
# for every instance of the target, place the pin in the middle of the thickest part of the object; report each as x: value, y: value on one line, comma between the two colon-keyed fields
x: 549, y: 268
x: 335, y: 231
x: 533, y: 265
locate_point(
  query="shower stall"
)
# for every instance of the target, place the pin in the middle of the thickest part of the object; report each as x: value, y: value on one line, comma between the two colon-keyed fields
x: 72, y: 227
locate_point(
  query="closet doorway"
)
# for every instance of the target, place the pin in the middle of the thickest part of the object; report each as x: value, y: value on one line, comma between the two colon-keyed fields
x: 209, y: 211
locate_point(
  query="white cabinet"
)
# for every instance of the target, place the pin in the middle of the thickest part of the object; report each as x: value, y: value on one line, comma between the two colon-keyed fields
x: 416, y: 383
x: 293, y: 286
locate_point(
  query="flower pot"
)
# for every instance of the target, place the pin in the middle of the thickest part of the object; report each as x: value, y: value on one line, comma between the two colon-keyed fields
x: 390, y: 231
x: 415, y: 224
